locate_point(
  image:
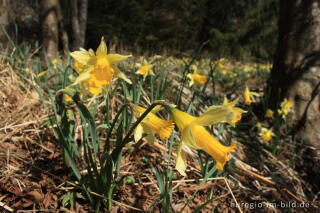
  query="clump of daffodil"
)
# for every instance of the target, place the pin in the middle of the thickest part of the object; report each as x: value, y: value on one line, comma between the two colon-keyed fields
x: 248, y: 96
x: 97, y: 69
x: 196, y: 78
x: 152, y: 125
x: 144, y: 69
x: 194, y: 135
x: 269, y: 113
x: 266, y: 134
x: 286, y: 107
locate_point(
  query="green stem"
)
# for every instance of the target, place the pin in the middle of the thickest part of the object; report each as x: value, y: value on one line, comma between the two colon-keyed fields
x: 106, y: 146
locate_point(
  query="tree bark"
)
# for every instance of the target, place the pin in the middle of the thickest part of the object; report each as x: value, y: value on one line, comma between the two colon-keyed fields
x: 63, y: 34
x: 296, y: 70
x: 79, y: 10
x: 4, y: 20
x: 49, y: 21
x: 83, y: 13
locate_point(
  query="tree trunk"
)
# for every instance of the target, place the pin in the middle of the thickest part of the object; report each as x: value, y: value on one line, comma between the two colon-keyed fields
x: 49, y: 21
x: 63, y: 34
x: 4, y: 21
x: 79, y: 11
x: 83, y: 13
x: 296, y: 70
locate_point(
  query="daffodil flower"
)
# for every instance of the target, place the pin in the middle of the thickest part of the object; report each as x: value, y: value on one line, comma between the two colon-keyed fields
x: 196, y: 78
x: 194, y: 135
x: 249, y: 96
x: 55, y: 62
x: 99, y: 68
x: 266, y: 134
x: 144, y: 69
x: 269, y: 113
x: 152, y: 125
x: 286, y: 107
x: 237, y: 111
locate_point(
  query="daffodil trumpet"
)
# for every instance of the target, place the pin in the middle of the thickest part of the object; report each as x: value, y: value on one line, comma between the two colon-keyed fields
x: 196, y: 78
x: 194, y: 135
x: 151, y: 125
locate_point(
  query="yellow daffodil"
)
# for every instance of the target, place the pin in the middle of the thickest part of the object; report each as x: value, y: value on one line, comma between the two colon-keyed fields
x: 144, y: 69
x: 237, y: 111
x: 269, y: 113
x: 55, y: 62
x: 266, y: 134
x: 286, y: 107
x: 224, y: 71
x: 196, y: 78
x: 152, y: 125
x: 249, y: 96
x: 259, y: 125
x: 99, y: 68
x: 194, y: 135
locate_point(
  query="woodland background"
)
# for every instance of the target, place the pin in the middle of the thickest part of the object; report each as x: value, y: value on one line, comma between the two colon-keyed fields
x: 245, y: 29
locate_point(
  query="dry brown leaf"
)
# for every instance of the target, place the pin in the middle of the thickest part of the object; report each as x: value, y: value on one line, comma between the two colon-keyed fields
x: 36, y: 195
x: 47, y: 200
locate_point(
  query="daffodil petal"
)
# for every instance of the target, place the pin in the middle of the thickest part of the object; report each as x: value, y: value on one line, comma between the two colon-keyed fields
x: 102, y: 49
x: 214, y: 115
x: 150, y: 134
x: 82, y: 57
x: 231, y: 103
x: 121, y: 75
x: 116, y: 58
x: 82, y: 77
x: 157, y: 109
x: 189, y: 76
x: 181, y: 163
x: 91, y: 52
x: 191, y: 80
x: 95, y: 90
x: 138, y: 133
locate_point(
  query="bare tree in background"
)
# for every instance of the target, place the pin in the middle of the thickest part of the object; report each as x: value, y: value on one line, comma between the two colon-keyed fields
x: 296, y: 71
x: 79, y: 10
x: 49, y: 22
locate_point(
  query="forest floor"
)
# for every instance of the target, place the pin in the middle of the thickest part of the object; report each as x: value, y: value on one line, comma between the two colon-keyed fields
x: 33, y: 177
